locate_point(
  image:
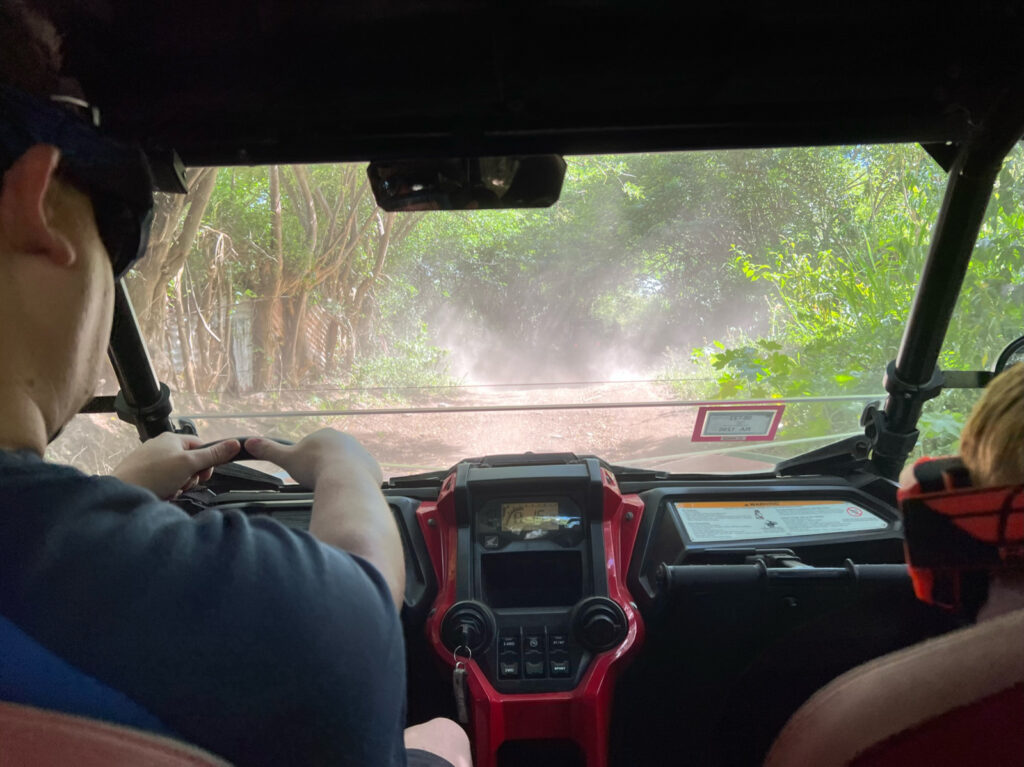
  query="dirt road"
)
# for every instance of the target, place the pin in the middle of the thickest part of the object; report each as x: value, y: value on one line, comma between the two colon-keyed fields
x: 408, y: 443
x: 640, y: 436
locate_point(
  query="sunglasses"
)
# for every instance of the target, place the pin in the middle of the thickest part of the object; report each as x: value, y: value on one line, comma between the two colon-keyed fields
x: 115, y: 176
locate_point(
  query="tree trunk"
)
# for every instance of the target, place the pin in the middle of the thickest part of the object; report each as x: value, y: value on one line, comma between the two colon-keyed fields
x: 168, y: 249
x: 266, y: 309
x: 294, y: 353
x: 375, y: 274
x: 183, y: 336
x: 331, y: 347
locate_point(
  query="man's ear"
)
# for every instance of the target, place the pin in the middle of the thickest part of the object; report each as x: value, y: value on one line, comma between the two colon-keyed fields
x: 24, y: 219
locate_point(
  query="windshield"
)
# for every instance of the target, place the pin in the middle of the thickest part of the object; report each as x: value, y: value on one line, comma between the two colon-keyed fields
x: 689, y: 312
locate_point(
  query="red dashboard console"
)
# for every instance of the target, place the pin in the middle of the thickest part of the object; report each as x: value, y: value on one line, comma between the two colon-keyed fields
x: 505, y: 550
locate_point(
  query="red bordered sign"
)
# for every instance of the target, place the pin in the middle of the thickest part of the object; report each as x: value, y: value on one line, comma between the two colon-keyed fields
x: 737, y: 423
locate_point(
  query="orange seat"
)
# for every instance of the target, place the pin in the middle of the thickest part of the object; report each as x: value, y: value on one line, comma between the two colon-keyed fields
x: 953, y: 701
x: 32, y: 737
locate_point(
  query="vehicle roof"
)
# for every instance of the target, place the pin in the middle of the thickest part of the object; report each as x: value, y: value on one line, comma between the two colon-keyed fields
x: 235, y: 82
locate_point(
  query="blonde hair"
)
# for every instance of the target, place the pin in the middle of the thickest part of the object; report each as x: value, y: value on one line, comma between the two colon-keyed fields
x: 992, y: 443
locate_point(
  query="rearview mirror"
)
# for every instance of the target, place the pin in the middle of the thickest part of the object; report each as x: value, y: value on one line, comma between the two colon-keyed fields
x: 467, y: 183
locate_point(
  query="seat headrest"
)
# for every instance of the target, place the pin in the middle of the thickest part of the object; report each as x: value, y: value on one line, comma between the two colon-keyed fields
x: 956, y: 534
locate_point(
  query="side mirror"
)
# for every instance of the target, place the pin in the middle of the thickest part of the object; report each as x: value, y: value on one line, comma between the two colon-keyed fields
x: 979, y: 379
x: 467, y: 183
x: 1011, y: 355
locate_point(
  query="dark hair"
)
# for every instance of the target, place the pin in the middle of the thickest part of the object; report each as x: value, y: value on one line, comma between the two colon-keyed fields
x: 30, y: 57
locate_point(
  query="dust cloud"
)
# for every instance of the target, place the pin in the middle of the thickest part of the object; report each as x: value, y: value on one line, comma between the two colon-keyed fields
x: 484, y: 355
x: 570, y: 347
x: 597, y: 288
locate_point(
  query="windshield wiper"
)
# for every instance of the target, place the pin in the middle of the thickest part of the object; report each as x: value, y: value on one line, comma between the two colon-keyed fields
x: 835, y: 458
x: 633, y: 474
x: 625, y: 474
x: 427, y: 479
x: 488, y: 461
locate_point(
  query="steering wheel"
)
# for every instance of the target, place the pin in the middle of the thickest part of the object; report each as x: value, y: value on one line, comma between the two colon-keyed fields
x: 243, y: 454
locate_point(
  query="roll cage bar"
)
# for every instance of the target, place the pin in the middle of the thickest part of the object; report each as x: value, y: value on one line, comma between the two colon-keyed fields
x: 143, y: 401
x: 914, y: 377
x: 911, y: 379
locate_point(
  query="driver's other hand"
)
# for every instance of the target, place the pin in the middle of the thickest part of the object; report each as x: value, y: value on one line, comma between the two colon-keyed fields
x: 907, y: 478
x: 171, y: 464
x: 323, y: 451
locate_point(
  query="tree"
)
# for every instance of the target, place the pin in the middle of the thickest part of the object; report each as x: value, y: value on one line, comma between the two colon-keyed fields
x: 838, y: 307
x: 283, y: 243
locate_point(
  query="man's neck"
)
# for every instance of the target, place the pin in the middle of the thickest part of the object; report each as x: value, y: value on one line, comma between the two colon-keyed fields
x: 22, y: 424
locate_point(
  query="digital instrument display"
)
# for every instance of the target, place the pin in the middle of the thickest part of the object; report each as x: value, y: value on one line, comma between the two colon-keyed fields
x: 500, y: 521
x: 527, y: 517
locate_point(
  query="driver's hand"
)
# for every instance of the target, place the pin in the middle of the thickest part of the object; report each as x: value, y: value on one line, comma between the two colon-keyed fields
x: 171, y: 464
x: 327, y: 450
x: 907, y: 476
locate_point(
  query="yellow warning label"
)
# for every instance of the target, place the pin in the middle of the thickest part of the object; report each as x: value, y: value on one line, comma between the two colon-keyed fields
x: 712, y: 521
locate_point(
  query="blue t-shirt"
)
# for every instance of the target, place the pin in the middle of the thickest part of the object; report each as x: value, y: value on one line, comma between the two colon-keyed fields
x: 252, y: 640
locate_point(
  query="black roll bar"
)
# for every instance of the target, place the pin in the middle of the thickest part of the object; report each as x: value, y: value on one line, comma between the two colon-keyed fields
x: 913, y: 378
x: 143, y: 401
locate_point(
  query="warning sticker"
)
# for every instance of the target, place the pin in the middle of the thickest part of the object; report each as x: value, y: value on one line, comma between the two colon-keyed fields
x: 712, y: 521
x: 744, y: 423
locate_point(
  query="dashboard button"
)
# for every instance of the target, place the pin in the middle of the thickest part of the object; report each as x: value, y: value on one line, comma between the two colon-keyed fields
x: 508, y: 644
x: 559, y: 668
x: 508, y: 669
x: 534, y: 669
x: 533, y: 642
x: 558, y: 642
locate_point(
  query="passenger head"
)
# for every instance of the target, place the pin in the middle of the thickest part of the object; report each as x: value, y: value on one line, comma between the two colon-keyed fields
x: 992, y: 449
x: 56, y: 280
x: 992, y: 442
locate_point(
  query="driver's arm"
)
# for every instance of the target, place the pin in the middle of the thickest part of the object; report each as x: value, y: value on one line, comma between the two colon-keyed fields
x: 349, y: 510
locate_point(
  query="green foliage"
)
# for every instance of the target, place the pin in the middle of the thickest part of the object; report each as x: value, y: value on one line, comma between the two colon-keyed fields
x: 837, y: 305
x: 406, y: 364
x: 940, y: 432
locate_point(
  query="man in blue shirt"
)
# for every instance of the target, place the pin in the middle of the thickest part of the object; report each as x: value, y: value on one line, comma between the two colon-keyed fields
x: 259, y: 643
